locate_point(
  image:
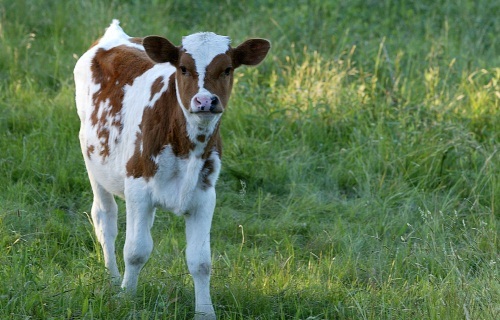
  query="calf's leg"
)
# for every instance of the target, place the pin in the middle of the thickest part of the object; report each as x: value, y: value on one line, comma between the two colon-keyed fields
x: 138, y: 241
x: 198, y: 223
x: 104, y: 217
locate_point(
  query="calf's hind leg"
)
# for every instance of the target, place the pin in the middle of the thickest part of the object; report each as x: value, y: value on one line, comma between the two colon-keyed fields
x: 105, y: 216
x: 138, y: 241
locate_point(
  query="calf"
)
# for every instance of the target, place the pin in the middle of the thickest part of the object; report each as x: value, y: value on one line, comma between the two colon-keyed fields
x: 150, y: 114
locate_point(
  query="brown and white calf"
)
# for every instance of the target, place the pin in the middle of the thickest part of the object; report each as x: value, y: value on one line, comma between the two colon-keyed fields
x: 150, y: 114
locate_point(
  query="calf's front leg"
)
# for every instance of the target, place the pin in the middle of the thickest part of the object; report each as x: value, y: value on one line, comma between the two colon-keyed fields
x: 198, y: 223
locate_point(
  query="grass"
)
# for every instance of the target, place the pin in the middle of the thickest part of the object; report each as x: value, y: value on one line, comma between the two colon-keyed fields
x: 360, y: 171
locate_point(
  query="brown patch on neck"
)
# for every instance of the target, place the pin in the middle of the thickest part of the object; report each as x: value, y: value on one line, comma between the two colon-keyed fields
x: 214, y: 143
x: 161, y: 125
x: 112, y: 70
x: 156, y: 87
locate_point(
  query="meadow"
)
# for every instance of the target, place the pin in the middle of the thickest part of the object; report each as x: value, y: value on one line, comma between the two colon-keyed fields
x: 360, y: 176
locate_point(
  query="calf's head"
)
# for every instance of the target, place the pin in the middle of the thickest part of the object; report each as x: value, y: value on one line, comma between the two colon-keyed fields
x: 205, y: 63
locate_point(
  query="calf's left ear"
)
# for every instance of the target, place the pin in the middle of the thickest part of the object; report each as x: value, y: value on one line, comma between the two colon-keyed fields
x: 250, y: 52
x: 161, y: 50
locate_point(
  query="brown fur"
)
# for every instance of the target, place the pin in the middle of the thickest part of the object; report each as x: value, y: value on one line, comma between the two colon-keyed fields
x: 161, y: 125
x: 112, y: 70
x: 90, y: 150
x: 216, y: 71
x: 187, y: 83
x: 156, y: 87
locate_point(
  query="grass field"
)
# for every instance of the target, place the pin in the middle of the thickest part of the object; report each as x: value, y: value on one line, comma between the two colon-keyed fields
x: 361, y: 165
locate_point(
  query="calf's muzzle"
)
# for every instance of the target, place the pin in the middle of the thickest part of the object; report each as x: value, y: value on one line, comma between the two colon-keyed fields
x: 206, y: 103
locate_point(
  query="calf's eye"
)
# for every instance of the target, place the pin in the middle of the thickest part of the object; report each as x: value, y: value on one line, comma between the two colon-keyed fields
x: 227, y: 72
x: 183, y: 70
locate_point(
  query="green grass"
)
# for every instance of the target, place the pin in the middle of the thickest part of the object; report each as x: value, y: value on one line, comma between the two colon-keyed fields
x: 360, y: 171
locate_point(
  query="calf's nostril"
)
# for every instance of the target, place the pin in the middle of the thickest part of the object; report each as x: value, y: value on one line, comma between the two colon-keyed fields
x: 215, y: 100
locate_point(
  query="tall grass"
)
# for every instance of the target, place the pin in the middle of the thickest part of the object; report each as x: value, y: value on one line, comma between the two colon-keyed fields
x: 360, y: 164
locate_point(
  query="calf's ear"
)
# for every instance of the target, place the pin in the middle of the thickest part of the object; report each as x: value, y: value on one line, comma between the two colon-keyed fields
x: 161, y: 50
x: 250, y: 52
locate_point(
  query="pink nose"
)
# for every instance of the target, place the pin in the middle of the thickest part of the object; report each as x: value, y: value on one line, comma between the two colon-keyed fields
x: 204, y: 102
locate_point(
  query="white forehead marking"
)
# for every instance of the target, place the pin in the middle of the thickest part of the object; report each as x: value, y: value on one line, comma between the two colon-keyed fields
x: 204, y: 47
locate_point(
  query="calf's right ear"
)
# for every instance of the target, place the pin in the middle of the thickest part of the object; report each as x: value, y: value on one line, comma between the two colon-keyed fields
x: 161, y: 50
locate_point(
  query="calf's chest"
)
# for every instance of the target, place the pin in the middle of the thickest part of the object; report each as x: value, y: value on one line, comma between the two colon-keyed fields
x: 179, y: 181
